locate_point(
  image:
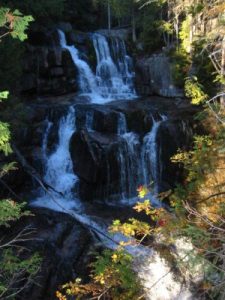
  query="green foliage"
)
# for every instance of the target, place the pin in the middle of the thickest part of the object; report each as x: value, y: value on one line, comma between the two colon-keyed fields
x: 116, y: 263
x: 199, y: 236
x: 14, y: 22
x: 203, y: 67
x: 4, y: 138
x: 164, y: 26
x: 4, y: 95
x: 150, y: 27
x: 41, y: 8
x: 194, y: 91
x: 196, y: 161
x: 181, y: 62
x: 14, y: 271
x: 6, y: 168
x: 11, y: 211
x: 112, y: 277
x: 131, y: 228
x: 185, y: 34
x: 14, y: 265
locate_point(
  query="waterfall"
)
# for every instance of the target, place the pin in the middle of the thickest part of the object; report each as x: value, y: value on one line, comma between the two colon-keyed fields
x: 89, y: 122
x: 59, y: 169
x: 45, y: 140
x: 123, y: 61
x: 122, y: 124
x: 114, y: 79
x: 150, y: 157
x: 128, y: 158
x: 155, y: 275
x: 139, y: 164
x: 87, y: 80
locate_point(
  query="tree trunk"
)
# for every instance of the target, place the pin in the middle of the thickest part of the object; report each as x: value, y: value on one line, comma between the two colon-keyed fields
x: 134, y: 36
x: 191, y: 33
x: 176, y: 25
x: 222, y: 100
x: 109, y: 16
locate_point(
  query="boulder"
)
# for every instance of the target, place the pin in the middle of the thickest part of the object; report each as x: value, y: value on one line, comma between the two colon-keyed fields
x: 95, y: 161
x: 63, y: 245
x: 154, y: 76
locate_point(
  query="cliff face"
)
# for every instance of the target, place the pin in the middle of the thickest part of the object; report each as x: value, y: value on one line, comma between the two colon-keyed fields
x: 47, y: 68
x: 154, y: 76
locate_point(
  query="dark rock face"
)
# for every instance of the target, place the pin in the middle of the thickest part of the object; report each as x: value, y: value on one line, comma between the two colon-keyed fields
x: 100, y: 155
x: 48, y: 71
x: 94, y: 156
x: 96, y: 153
x: 96, y: 149
x: 63, y: 244
x: 154, y: 76
x: 173, y: 135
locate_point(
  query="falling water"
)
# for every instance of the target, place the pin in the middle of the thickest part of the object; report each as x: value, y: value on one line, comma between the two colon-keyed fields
x: 150, y: 157
x: 128, y: 158
x: 123, y: 61
x: 115, y: 81
x: 45, y: 140
x: 112, y: 81
x: 87, y: 80
x: 59, y: 169
x: 89, y: 122
x: 122, y: 124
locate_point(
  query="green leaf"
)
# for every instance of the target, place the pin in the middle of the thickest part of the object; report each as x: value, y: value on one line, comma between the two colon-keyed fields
x: 4, y: 95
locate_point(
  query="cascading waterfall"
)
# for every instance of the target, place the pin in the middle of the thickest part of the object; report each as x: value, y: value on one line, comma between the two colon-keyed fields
x: 45, y: 140
x: 150, y: 157
x: 111, y: 81
x: 128, y: 158
x: 122, y: 124
x: 138, y: 162
x: 123, y: 61
x: 149, y: 266
x: 89, y: 121
x: 115, y: 81
x: 87, y: 80
x: 58, y: 169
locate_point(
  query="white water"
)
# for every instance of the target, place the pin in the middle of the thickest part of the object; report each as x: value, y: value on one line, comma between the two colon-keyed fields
x: 139, y: 164
x: 157, y: 280
x: 150, y: 157
x: 45, y: 141
x: 110, y: 82
x: 87, y: 80
x: 115, y: 81
x: 59, y: 169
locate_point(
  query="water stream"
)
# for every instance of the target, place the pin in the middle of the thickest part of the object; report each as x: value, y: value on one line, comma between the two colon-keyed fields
x: 138, y: 157
x: 111, y: 81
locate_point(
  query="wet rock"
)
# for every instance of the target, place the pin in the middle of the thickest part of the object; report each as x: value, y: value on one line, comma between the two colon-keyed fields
x: 63, y: 245
x: 95, y: 161
x: 48, y: 70
x: 173, y: 135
